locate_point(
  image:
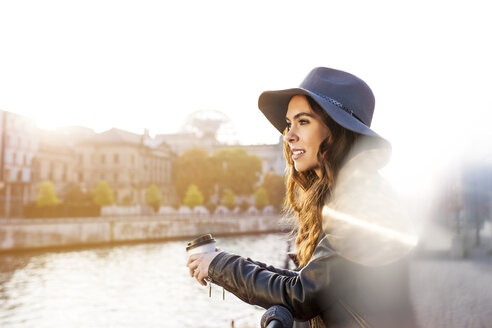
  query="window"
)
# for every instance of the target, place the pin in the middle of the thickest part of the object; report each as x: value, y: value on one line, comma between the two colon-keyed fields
x: 20, y: 158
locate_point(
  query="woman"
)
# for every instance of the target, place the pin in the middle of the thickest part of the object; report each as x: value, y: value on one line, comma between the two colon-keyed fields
x: 351, y: 271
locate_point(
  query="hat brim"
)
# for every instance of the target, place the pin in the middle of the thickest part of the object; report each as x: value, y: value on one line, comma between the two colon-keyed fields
x: 273, y: 104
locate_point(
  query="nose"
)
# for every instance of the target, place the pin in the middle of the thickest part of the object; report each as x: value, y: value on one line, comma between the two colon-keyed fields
x: 291, y: 136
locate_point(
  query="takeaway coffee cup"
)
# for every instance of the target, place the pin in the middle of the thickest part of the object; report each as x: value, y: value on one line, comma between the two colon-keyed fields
x: 202, y: 244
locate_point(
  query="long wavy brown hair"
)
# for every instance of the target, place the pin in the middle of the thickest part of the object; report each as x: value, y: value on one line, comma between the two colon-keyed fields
x: 306, y: 192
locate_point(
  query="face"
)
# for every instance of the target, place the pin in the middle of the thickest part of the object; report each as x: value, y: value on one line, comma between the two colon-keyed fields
x: 306, y: 131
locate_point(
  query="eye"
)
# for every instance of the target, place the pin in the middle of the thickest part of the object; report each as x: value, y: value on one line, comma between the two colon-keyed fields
x: 288, y: 126
x: 303, y: 121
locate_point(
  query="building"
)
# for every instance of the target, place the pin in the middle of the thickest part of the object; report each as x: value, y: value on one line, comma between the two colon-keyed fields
x: 55, y: 161
x: 180, y: 142
x: 70, y: 156
x: 19, y: 145
x: 129, y: 162
x: 272, y: 156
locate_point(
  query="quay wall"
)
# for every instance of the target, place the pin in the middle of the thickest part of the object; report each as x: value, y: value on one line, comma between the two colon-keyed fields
x: 24, y: 234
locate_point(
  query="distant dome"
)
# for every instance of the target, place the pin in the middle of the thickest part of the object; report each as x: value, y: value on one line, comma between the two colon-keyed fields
x: 211, y: 123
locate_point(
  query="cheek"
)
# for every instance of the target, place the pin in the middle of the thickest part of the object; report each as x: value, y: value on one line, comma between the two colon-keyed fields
x: 323, y: 135
x: 318, y: 141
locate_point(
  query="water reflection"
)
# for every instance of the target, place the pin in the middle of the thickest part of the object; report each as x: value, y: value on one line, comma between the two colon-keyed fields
x: 148, y: 285
x: 144, y: 285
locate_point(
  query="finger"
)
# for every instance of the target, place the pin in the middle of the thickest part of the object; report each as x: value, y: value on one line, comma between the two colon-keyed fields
x: 193, y: 257
x: 193, y: 265
x: 201, y: 281
x: 202, y: 276
x: 199, y: 278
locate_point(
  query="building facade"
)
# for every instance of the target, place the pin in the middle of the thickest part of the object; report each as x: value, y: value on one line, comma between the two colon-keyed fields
x: 128, y: 162
x: 55, y: 161
x: 19, y: 144
x: 180, y: 142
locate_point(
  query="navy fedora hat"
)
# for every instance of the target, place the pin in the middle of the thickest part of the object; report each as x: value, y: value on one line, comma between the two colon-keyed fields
x: 346, y: 98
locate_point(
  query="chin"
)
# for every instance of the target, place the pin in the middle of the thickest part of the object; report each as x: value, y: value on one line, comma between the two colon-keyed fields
x: 299, y: 168
x: 303, y: 168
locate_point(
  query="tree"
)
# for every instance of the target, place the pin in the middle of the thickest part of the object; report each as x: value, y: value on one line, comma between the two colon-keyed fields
x: 274, y: 184
x: 103, y: 194
x: 211, y: 206
x: 127, y: 200
x: 229, y: 199
x: 244, y: 205
x: 261, y: 198
x: 46, y: 195
x: 75, y: 195
x: 194, y: 167
x: 153, y: 197
x: 237, y: 170
x: 193, y: 197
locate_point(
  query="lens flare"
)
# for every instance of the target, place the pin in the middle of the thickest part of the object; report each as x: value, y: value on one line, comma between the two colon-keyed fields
x: 407, y: 239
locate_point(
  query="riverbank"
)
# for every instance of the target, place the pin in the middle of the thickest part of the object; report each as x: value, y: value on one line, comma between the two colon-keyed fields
x: 28, y: 234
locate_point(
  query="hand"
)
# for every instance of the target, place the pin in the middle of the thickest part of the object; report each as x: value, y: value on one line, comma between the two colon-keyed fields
x: 198, y: 265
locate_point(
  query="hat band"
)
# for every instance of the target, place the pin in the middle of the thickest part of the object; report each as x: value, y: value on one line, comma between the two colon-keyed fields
x: 339, y: 105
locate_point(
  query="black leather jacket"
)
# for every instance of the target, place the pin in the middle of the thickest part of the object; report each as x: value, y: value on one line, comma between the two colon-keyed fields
x: 341, y: 292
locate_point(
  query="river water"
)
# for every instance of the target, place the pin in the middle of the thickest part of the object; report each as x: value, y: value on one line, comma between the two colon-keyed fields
x: 142, y: 285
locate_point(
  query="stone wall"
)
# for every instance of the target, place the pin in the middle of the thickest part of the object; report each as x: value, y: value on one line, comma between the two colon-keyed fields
x: 43, y: 233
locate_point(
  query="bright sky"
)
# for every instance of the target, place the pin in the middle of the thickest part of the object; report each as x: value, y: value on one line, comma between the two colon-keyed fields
x: 149, y: 64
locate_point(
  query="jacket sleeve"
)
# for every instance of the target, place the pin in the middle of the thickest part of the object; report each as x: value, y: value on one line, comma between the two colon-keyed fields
x: 284, y: 272
x: 304, y: 294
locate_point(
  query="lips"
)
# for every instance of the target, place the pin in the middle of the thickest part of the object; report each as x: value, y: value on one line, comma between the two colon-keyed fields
x: 297, y: 153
